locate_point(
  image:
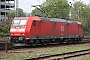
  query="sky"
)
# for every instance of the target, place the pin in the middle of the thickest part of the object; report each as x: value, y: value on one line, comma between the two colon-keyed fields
x: 26, y: 4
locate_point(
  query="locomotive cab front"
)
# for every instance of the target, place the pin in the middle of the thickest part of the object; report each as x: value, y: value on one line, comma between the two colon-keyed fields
x: 17, y: 31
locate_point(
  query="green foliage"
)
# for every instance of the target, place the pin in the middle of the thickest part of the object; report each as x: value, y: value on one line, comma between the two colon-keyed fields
x: 77, y: 9
x: 57, y: 9
x: 54, y: 8
x: 86, y: 57
x: 11, y: 15
x: 36, y: 12
x: 20, y: 13
x: 4, y: 30
x: 81, y: 12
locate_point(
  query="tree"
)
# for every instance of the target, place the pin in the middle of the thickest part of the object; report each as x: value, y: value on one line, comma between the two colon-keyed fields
x: 77, y: 10
x: 10, y: 16
x: 54, y: 8
x: 36, y: 12
x: 81, y: 12
x: 20, y: 13
x: 86, y: 16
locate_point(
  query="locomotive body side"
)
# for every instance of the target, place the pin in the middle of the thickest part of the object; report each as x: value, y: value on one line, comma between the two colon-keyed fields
x: 31, y: 26
x: 55, y: 30
x: 49, y: 29
x: 75, y: 32
x: 41, y: 30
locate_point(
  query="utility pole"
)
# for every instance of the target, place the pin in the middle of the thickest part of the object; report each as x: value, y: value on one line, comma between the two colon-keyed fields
x: 70, y: 10
x: 5, y: 10
x: 16, y: 14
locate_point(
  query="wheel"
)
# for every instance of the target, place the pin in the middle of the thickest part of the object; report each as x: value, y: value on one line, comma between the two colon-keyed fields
x: 73, y: 41
x: 12, y: 43
x: 33, y: 44
x: 60, y: 42
x: 46, y: 42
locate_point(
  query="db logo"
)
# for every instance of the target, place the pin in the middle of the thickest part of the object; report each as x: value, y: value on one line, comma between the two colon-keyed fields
x: 62, y: 28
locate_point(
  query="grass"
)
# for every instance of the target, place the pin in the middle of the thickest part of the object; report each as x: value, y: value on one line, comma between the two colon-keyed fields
x: 68, y: 49
x: 46, y: 51
x: 86, y: 58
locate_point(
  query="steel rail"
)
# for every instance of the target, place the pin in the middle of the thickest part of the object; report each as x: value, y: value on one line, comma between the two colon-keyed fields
x: 62, y: 56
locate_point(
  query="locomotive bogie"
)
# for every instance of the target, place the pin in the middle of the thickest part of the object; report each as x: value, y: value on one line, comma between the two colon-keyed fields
x: 17, y: 39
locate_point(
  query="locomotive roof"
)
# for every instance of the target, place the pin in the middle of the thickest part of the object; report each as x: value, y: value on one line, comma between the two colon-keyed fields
x: 58, y: 20
x: 17, y: 18
x: 50, y: 19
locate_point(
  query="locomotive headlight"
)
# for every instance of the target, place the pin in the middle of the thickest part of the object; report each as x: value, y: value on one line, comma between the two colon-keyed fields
x: 23, y: 34
x: 11, y: 34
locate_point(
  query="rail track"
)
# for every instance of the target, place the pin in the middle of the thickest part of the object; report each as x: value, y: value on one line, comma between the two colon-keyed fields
x: 6, y: 45
x: 62, y: 56
x: 20, y: 49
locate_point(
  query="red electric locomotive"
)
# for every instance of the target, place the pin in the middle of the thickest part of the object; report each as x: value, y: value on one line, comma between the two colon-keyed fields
x: 35, y: 30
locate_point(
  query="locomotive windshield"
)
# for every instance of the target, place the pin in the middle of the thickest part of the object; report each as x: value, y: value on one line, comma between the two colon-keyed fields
x: 19, y: 22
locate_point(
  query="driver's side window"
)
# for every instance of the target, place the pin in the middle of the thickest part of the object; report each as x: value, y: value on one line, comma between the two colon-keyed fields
x: 34, y: 23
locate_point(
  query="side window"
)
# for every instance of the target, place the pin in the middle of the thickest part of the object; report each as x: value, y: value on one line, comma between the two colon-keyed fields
x: 34, y: 23
x: 80, y: 26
